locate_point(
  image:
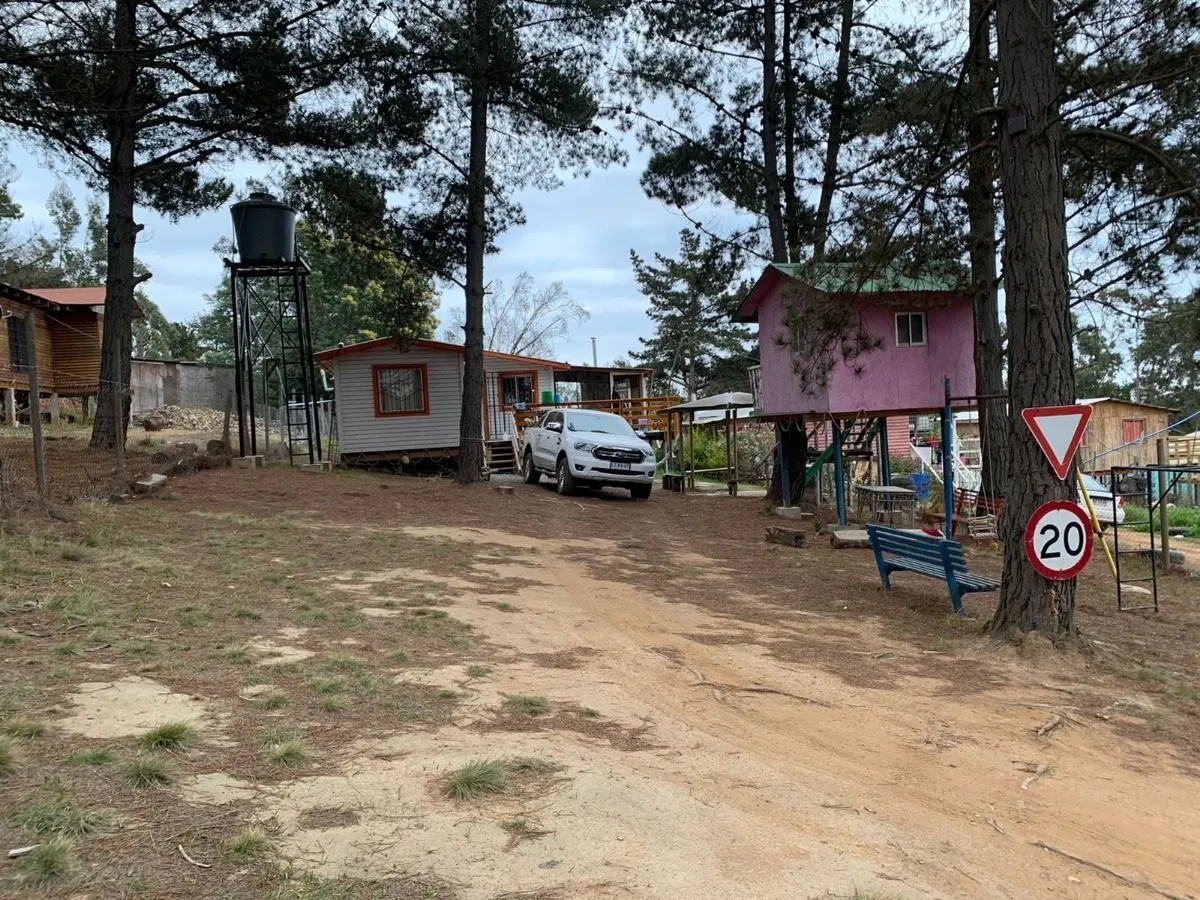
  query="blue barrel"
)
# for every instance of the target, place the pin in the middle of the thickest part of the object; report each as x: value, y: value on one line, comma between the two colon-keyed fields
x: 923, y: 485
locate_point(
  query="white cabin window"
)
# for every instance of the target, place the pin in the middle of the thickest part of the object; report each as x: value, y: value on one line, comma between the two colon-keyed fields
x: 910, y: 329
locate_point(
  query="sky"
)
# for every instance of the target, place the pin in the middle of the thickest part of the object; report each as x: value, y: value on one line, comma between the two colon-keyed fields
x: 579, y: 234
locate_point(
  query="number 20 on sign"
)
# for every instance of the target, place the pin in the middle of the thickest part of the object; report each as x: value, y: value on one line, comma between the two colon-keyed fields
x: 1059, y: 540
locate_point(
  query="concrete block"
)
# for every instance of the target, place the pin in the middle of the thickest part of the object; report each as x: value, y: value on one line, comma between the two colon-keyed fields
x: 149, y: 484
x: 249, y: 462
x: 316, y: 467
x: 792, y: 512
x: 849, y: 538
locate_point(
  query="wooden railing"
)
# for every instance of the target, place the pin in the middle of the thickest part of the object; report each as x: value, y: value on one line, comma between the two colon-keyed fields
x: 640, y: 412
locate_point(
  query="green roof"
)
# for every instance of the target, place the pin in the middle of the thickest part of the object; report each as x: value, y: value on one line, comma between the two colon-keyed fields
x: 860, y: 278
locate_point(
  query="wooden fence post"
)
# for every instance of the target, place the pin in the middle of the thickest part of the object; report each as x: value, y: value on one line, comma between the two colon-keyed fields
x: 35, y: 407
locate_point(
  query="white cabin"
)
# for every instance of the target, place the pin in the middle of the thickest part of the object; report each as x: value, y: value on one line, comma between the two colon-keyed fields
x: 404, y: 398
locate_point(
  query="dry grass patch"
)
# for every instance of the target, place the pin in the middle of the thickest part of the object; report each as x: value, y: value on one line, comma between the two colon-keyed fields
x: 487, y: 777
x: 285, y: 748
x: 249, y: 844
x: 149, y: 771
x: 48, y: 863
x: 526, y: 705
x: 168, y: 736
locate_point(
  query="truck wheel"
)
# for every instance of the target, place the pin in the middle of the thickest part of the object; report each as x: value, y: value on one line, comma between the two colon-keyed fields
x: 532, y: 476
x: 564, y: 482
x: 640, y: 491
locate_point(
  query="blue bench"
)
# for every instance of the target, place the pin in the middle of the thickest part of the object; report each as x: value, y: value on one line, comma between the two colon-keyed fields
x: 907, y: 551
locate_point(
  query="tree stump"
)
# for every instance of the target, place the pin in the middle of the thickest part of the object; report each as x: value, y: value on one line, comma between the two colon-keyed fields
x: 789, y: 537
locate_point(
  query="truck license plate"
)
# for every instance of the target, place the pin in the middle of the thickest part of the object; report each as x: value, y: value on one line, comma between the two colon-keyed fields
x: 620, y: 467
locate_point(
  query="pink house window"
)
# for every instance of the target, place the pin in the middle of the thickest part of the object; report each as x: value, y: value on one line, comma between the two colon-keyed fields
x: 910, y: 329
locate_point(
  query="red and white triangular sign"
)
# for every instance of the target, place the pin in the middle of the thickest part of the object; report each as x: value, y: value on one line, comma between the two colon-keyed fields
x: 1059, y: 432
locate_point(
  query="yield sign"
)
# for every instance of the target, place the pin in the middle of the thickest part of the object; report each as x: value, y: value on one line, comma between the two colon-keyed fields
x: 1059, y: 432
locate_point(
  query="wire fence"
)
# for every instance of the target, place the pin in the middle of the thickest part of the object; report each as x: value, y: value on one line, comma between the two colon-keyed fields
x: 71, y: 471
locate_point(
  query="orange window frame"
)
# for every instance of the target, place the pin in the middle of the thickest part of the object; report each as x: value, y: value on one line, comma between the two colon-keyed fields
x: 379, y: 411
x: 500, y: 376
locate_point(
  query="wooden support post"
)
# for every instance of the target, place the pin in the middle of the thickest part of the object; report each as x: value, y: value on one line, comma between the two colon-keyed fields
x: 728, y: 456
x: 735, y: 453
x: 691, y: 450
x: 10, y: 407
x: 785, y: 481
x: 54, y: 408
x: 85, y: 403
x: 839, y: 487
x: 35, y: 408
x: 885, y: 459
x: 1163, y: 512
x: 226, y: 449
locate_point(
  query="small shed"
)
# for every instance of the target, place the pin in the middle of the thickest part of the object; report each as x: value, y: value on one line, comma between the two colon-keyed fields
x: 1122, y: 433
x: 679, y: 472
x: 399, y: 399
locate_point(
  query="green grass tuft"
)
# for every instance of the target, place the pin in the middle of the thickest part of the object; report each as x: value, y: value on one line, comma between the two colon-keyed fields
x: 100, y: 756
x: 168, y: 736
x: 250, y: 614
x: 478, y: 778
x: 66, y: 650
x: 588, y: 713
x: 526, y: 705
x: 148, y: 771
x: 478, y: 671
x: 333, y: 704
x: 399, y: 657
x: 249, y: 844
x: 284, y: 748
x: 8, y: 757
x: 29, y: 729
x: 274, y: 701
x: 61, y: 818
x: 49, y: 862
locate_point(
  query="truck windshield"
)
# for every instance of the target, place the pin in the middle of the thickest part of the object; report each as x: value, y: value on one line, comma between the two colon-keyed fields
x: 598, y: 423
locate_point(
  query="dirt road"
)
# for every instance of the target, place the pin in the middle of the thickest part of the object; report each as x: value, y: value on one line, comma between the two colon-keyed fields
x: 723, y: 717
x: 794, y: 751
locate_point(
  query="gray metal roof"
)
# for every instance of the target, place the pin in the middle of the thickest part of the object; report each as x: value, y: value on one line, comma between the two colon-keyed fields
x: 728, y: 400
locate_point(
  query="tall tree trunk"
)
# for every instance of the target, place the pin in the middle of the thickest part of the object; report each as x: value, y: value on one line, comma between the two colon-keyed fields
x: 470, y: 429
x: 1035, y: 290
x: 833, y: 146
x: 791, y: 200
x: 116, y: 346
x: 770, y: 130
x: 981, y: 241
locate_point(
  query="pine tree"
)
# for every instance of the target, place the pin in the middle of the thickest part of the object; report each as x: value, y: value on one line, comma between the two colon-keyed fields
x: 145, y: 96
x: 695, y: 347
x: 513, y: 88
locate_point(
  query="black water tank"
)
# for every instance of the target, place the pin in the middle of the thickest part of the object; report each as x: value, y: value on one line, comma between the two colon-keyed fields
x: 264, y: 229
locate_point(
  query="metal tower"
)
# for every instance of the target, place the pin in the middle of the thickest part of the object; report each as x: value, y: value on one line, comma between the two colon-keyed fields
x: 273, y: 354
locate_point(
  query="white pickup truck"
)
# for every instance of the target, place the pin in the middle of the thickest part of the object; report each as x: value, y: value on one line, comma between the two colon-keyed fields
x: 587, y: 449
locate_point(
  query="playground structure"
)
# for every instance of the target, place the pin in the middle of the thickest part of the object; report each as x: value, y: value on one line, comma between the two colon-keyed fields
x: 916, y: 337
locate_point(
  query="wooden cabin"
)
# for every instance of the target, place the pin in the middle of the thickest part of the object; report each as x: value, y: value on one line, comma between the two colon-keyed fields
x: 68, y: 328
x: 1122, y: 433
x: 401, y: 400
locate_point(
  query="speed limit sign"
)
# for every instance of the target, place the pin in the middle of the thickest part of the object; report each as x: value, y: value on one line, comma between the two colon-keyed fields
x: 1059, y: 540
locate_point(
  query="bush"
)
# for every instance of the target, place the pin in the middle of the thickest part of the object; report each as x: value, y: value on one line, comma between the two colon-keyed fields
x: 902, y: 465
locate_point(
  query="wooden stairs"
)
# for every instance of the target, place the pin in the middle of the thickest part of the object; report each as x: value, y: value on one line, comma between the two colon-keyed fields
x: 500, y: 456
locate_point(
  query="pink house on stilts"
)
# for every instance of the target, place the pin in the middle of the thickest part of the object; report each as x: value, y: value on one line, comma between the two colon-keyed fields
x: 900, y: 339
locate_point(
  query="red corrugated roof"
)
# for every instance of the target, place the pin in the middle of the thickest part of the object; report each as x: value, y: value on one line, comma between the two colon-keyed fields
x: 80, y: 296
x: 422, y: 344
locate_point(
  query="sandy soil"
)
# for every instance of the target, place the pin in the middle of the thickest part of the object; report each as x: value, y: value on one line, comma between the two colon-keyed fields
x: 767, y: 780
x: 729, y: 718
